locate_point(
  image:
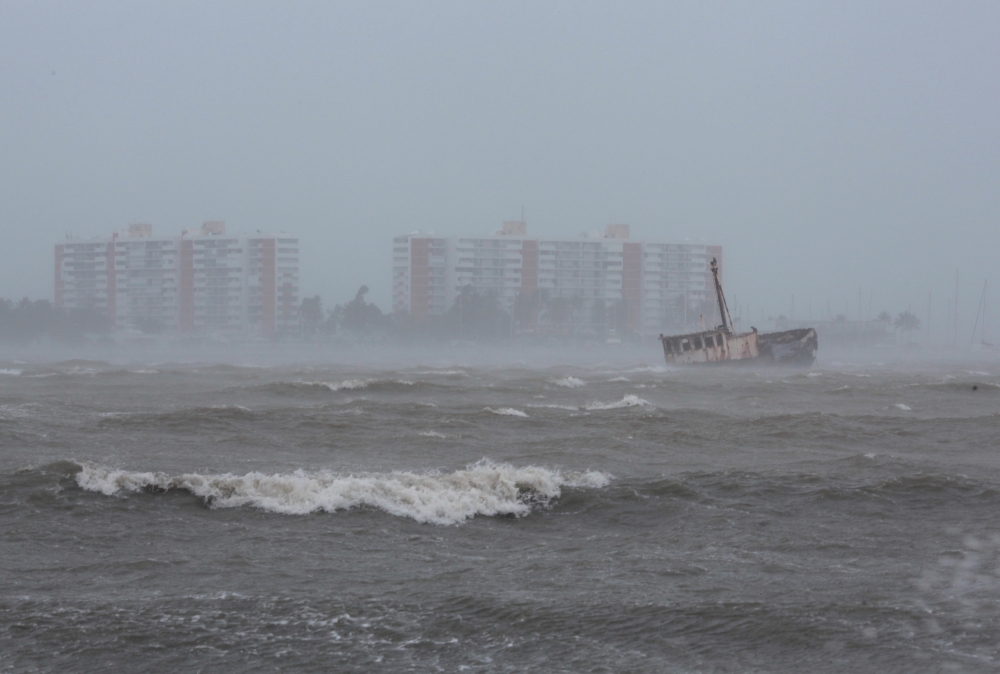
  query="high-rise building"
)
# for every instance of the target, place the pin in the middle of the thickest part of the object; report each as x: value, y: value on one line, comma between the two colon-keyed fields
x: 421, y: 278
x: 560, y: 285
x: 203, y: 281
x: 85, y: 275
x: 146, y: 279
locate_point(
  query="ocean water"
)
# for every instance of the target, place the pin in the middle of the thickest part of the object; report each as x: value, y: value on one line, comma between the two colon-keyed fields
x: 499, y: 518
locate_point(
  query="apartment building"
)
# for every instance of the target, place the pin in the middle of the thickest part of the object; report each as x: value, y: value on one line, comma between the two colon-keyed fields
x: 85, y: 275
x: 272, y: 284
x: 421, y: 277
x: 145, y: 282
x: 203, y: 281
x: 560, y: 285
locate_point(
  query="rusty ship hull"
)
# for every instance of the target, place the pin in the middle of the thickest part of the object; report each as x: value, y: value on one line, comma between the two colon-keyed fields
x: 796, y: 348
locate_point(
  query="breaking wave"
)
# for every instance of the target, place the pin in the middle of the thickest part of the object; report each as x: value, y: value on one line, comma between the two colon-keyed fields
x: 628, y: 401
x: 506, y: 412
x: 482, y: 488
x: 570, y: 382
x: 300, y: 387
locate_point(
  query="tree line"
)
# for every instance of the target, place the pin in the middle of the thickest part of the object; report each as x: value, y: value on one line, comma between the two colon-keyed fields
x: 28, y: 321
x: 473, y: 316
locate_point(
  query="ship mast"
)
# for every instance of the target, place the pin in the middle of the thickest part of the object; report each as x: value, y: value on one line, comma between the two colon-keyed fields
x: 723, y: 307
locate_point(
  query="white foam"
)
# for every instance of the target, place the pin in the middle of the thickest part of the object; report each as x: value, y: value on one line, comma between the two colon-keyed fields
x: 506, y: 411
x: 905, y: 408
x: 571, y: 408
x: 483, y: 488
x: 814, y: 374
x: 628, y: 401
x: 12, y: 373
x: 619, y: 379
x: 353, y: 384
x: 22, y: 410
x: 347, y: 385
x: 432, y: 434
x: 570, y: 382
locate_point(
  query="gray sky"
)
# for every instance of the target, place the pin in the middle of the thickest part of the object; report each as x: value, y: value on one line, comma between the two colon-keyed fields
x: 827, y: 147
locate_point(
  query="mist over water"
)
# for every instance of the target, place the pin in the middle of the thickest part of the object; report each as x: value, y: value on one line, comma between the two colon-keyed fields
x: 498, y: 510
x: 178, y: 502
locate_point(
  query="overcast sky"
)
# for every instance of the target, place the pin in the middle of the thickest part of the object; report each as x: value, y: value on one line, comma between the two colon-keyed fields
x: 828, y: 147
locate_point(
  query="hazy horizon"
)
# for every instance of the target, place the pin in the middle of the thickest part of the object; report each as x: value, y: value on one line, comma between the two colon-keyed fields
x: 828, y: 149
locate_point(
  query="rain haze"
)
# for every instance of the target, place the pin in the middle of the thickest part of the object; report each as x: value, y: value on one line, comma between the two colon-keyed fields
x: 829, y: 149
x: 381, y: 336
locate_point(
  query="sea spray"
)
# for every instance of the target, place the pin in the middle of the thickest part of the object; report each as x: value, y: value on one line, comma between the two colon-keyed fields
x: 629, y: 400
x: 482, y: 488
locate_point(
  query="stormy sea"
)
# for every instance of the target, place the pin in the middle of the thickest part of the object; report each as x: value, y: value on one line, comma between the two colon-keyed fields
x: 444, y: 515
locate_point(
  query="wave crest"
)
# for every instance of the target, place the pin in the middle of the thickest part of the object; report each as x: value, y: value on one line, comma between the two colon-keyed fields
x: 301, y: 387
x: 482, y: 488
x: 506, y: 412
x: 629, y: 400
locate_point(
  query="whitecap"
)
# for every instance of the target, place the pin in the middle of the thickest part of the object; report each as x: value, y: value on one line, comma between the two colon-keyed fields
x: 347, y: 385
x: 905, y: 408
x: 12, y: 372
x: 82, y: 370
x: 482, y: 488
x: 656, y: 369
x: 570, y: 382
x: 571, y: 408
x: 353, y: 384
x: 432, y: 434
x: 628, y: 401
x: 506, y: 411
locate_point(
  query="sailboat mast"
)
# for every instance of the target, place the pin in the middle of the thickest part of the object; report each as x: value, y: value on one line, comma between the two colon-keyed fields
x: 980, y: 310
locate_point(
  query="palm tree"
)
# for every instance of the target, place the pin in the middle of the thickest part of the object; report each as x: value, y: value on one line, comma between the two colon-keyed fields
x: 907, y: 322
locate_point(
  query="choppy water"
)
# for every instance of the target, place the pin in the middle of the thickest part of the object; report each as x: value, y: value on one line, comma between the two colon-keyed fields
x: 612, y: 518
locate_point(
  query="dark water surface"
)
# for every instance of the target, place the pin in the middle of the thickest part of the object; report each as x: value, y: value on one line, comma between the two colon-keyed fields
x: 162, y: 517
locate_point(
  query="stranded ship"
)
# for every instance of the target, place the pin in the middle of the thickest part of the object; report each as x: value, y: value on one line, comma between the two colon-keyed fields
x: 724, y: 345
